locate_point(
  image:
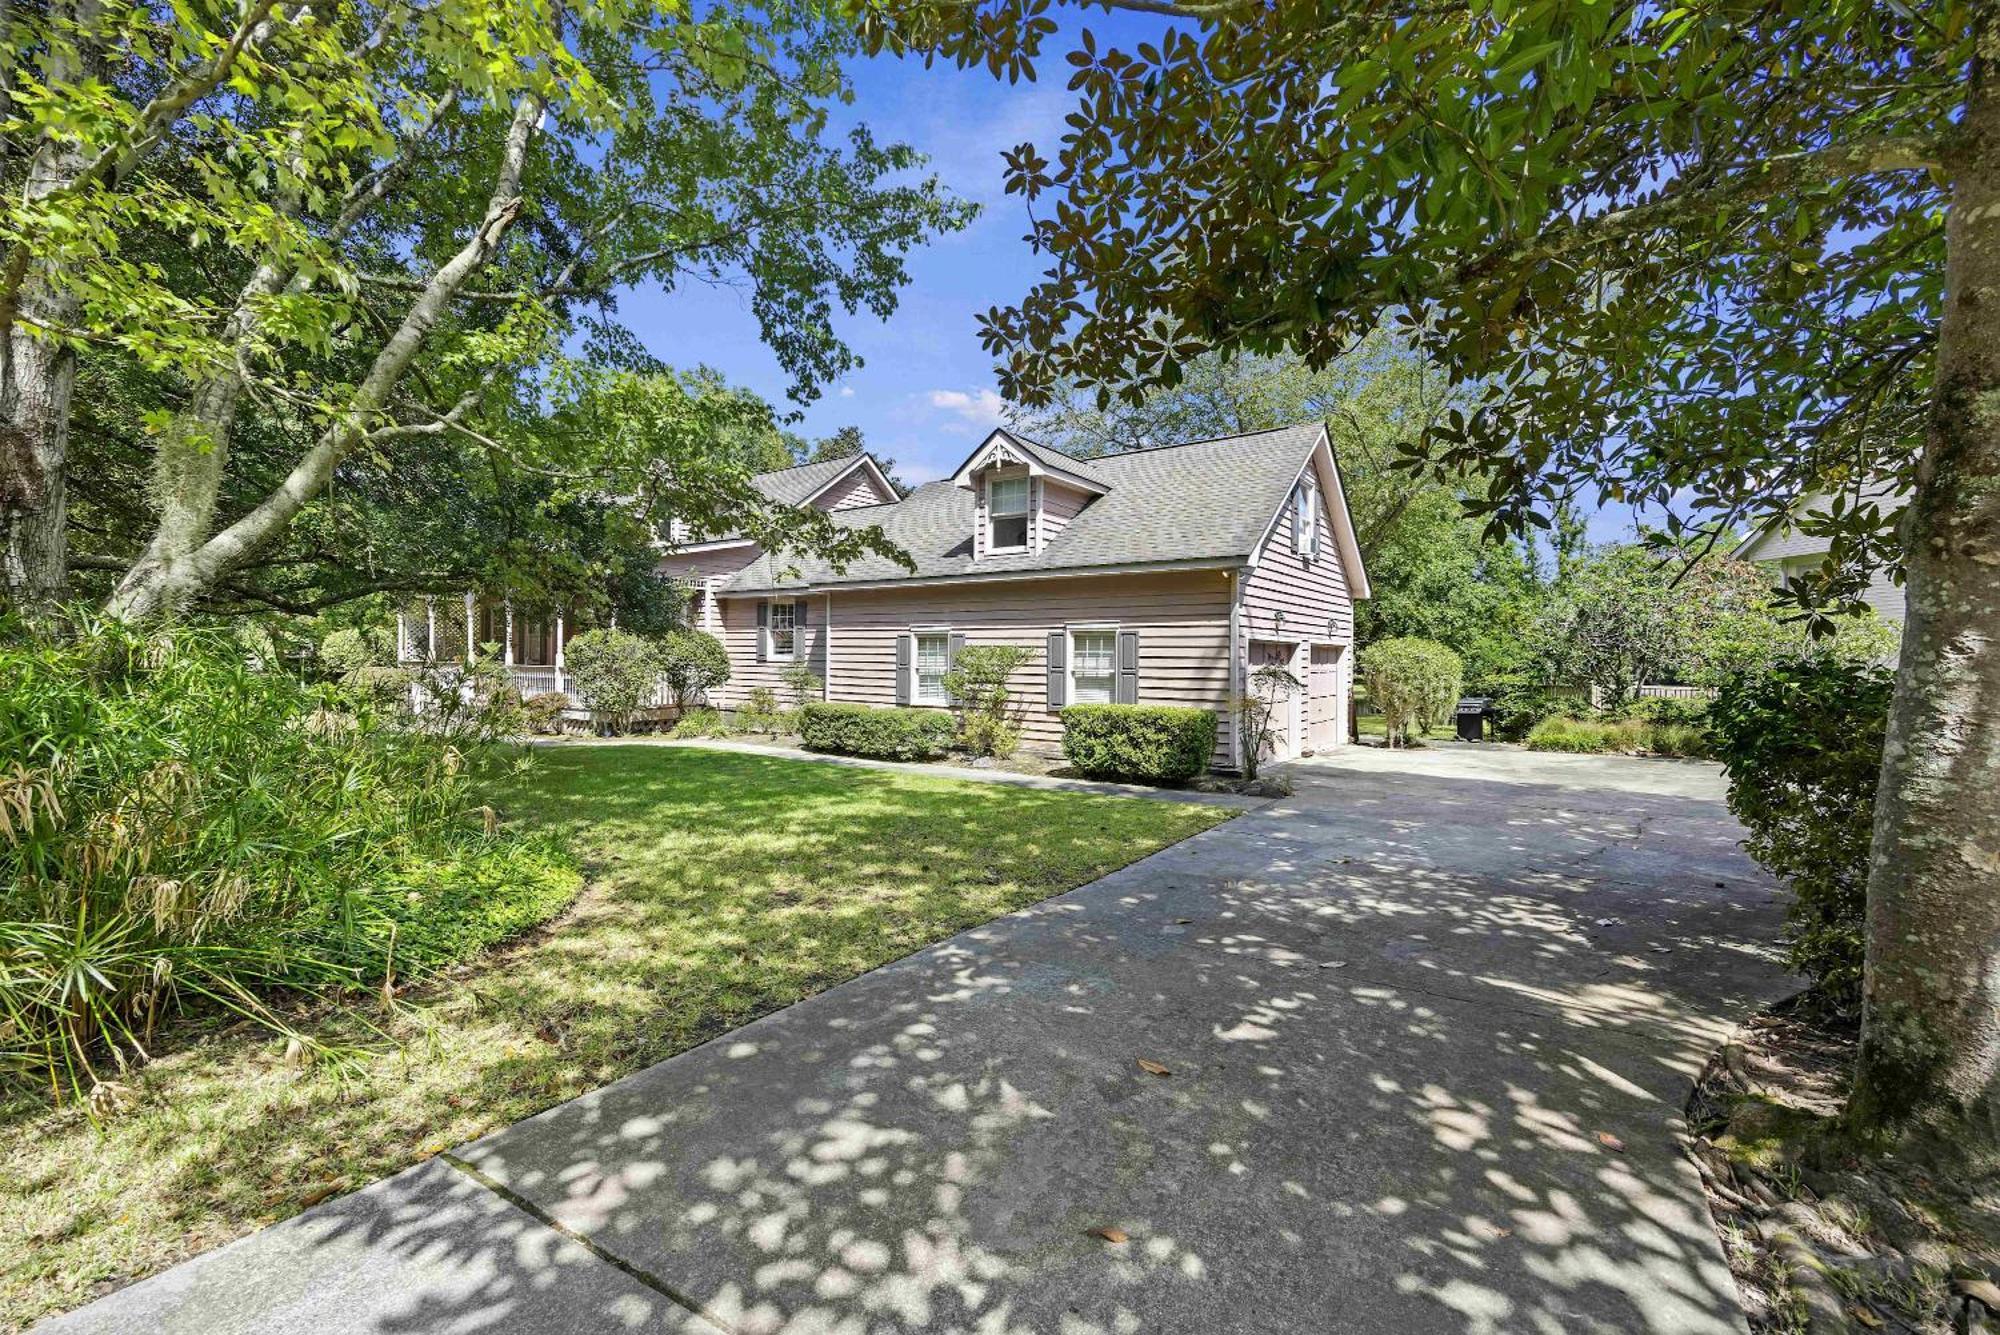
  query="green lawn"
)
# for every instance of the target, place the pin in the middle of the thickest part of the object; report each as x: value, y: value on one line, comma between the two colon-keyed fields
x: 720, y: 886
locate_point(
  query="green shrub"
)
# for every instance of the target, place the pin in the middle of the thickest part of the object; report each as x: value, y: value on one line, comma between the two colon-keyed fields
x: 1612, y: 736
x: 691, y: 664
x: 1517, y: 705
x: 1583, y: 736
x: 346, y: 653
x: 760, y: 714
x: 701, y: 721
x: 1138, y: 743
x: 801, y: 683
x: 989, y: 722
x: 1685, y: 713
x: 615, y: 672
x: 1802, y: 745
x: 1413, y: 682
x: 179, y: 828
x: 543, y: 714
x: 885, y: 734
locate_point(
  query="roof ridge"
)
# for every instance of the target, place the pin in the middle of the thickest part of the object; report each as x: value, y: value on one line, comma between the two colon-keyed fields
x: 1206, y: 440
x: 810, y: 463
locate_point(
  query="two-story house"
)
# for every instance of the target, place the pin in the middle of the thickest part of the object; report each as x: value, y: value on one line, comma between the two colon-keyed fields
x: 1158, y: 576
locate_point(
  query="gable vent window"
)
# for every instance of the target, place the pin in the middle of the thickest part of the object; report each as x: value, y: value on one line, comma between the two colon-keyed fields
x: 1305, y: 521
x: 1007, y: 512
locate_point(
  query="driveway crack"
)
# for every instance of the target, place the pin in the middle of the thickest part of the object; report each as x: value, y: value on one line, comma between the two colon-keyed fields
x: 589, y: 1244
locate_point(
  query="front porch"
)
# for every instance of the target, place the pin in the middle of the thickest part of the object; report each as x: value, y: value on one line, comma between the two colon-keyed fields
x: 528, y: 642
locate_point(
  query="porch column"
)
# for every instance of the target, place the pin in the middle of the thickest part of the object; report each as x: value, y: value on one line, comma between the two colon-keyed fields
x: 402, y: 637
x: 508, y: 657
x: 471, y: 629
x: 430, y: 626
x: 708, y: 603
x: 559, y: 650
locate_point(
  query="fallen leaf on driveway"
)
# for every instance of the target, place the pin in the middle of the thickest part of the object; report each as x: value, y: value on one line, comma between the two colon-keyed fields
x: 1662, y: 950
x: 1183, y: 921
x: 1865, y: 1317
x: 1609, y: 922
x: 1109, y: 1234
x: 1984, y: 1290
x: 1610, y: 1142
x: 1153, y: 1068
x: 1333, y: 964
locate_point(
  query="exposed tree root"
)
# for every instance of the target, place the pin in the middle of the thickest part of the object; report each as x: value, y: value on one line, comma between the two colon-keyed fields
x: 1822, y: 1235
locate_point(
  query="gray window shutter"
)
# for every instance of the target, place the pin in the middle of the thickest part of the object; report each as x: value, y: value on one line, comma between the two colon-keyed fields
x: 906, y: 658
x: 952, y: 648
x: 1127, y: 690
x: 1058, y: 669
x: 799, y: 649
x: 763, y: 631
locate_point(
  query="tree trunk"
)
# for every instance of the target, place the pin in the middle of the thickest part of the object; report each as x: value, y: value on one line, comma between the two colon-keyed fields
x: 1930, y: 1045
x: 37, y: 374
x: 35, y: 382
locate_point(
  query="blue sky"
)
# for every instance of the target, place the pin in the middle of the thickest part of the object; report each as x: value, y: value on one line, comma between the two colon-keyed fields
x: 925, y: 395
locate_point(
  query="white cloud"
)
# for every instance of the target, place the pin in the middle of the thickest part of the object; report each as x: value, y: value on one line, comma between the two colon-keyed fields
x: 982, y: 409
x: 847, y: 391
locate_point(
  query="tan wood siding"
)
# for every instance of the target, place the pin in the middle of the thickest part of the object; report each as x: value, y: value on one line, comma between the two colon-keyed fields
x: 1313, y: 595
x: 856, y: 489
x: 1060, y: 504
x: 737, y: 628
x: 1182, y: 620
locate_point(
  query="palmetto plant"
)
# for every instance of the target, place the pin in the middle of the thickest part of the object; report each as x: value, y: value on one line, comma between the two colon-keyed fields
x: 180, y: 826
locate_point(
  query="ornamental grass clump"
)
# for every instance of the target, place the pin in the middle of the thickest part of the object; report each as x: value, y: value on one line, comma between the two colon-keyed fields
x: 182, y: 828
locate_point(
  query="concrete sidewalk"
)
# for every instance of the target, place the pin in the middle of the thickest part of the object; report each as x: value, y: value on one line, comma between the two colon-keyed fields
x: 1428, y: 1037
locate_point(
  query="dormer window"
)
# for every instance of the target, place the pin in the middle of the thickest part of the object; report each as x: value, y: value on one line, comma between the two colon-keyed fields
x: 1007, y: 514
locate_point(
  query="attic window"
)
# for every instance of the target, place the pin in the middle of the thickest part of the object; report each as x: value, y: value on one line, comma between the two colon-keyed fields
x: 1305, y: 521
x: 1007, y: 513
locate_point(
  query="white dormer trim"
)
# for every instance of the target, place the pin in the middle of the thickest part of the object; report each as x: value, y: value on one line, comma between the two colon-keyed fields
x: 1000, y: 449
x: 883, y: 487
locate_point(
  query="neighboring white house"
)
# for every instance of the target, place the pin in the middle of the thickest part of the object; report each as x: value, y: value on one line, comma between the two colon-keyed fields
x: 1784, y: 551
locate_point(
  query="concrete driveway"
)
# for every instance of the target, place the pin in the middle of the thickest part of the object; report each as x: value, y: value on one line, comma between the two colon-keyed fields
x: 1429, y: 1027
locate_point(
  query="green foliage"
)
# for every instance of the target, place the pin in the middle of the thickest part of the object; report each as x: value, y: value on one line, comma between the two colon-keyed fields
x: 1516, y: 705
x: 989, y: 722
x: 1138, y: 743
x: 885, y: 734
x: 349, y: 652
x: 1609, y: 736
x: 760, y: 713
x: 1257, y: 709
x: 691, y: 663
x: 701, y: 721
x: 340, y: 265
x: 1647, y: 319
x: 1414, y: 682
x: 615, y: 672
x: 179, y: 828
x: 1802, y: 744
x: 542, y: 714
x: 801, y: 683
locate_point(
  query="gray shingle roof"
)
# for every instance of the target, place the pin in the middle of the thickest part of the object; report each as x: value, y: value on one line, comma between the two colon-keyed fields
x: 791, y: 486
x: 1208, y: 500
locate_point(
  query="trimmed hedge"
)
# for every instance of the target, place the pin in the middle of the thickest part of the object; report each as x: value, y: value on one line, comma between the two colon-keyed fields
x: 884, y: 734
x: 1138, y: 743
x: 1610, y: 736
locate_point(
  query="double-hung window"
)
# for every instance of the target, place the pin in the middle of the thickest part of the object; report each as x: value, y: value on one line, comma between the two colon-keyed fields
x: 784, y: 630
x: 933, y: 661
x: 1093, y: 666
x: 1007, y: 514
